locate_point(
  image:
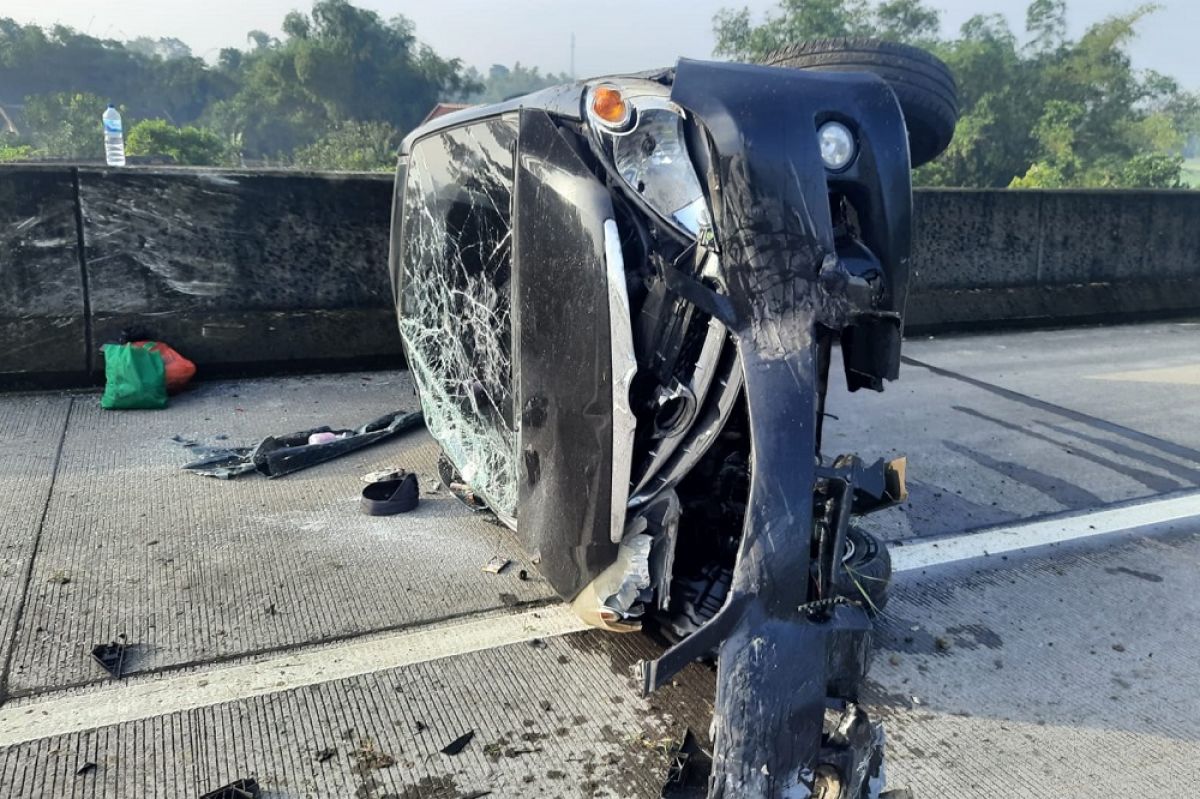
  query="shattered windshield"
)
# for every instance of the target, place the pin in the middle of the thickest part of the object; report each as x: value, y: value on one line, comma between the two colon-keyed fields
x: 456, y: 298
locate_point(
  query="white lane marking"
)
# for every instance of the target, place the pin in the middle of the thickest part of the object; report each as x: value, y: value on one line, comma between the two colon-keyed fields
x: 1044, y: 532
x: 134, y: 701
x: 1174, y: 375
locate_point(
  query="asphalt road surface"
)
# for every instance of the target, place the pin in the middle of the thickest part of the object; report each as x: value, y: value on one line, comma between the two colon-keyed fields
x: 277, y: 633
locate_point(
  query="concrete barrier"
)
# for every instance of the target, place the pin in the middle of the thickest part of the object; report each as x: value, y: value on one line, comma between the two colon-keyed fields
x: 1000, y: 258
x: 43, y: 318
x: 263, y: 271
x: 241, y: 268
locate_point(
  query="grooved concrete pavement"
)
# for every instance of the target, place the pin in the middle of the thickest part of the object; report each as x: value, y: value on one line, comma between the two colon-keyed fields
x: 1009, y: 426
x: 194, y: 569
x: 559, y: 719
x: 31, y: 429
x: 1022, y: 679
x: 1020, y: 687
x: 1070, y: 675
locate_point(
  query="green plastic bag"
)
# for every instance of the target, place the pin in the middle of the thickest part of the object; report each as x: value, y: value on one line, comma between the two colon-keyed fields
x: 134, y: 377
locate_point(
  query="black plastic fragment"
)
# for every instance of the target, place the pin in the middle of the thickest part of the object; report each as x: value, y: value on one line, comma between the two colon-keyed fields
x: 111, y: 656
x: 690, y: 770
x: 240, y: 789
x: 458, y: 744
x: 86, y: 768
x: 325, y: 755
x: 388, y: 497
x: 276, y: 456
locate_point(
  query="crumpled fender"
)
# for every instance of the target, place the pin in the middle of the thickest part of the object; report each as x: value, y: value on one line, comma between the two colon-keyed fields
x: 784, y: 286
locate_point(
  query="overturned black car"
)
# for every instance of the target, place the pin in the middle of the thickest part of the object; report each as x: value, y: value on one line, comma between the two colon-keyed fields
x: 620, y: 299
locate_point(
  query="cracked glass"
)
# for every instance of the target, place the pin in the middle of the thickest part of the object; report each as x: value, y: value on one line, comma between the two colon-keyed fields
x: 456, y: 296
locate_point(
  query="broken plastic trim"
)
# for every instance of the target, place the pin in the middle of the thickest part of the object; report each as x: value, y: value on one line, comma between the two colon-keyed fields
x: 240, y: 789
x: 111, y: 656
x: 617, y: 599
x: 276, y: 456
x: 698, y: 387
x: 624, y: 367
x: 703, y: 432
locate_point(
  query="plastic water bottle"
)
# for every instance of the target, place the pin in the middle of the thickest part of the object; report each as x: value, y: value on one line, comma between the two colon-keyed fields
x: 114, y: 139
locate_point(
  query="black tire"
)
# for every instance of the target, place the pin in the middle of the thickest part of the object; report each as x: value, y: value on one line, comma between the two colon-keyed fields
x: 867, y: 571
x: 922, y: 83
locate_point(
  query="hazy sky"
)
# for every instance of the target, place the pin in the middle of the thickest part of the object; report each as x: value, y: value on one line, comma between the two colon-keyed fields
x: 611, y: 35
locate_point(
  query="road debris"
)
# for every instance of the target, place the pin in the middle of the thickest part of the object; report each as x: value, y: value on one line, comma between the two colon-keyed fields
x: 389, y: 497
x: 111, y: 656
x: 370, y: 757
x: 239, y: 789
x: 134, y: 378
x: 689, y: 770
x: 141, y: 373
x: 86, y: 768
x: 458, y: 744
x: 496, y: 565
x: 386, y: 473
x: 276, y: 456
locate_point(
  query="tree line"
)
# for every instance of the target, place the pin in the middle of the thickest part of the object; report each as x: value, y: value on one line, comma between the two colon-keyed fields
x: 337, y: 91
x: 342, y: 85
x: 1043, y: 110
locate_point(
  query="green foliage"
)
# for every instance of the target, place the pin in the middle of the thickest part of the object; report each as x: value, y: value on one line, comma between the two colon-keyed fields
x: 1050, y: 113
x: 66, y: 125
x: 189, y: 145
x: 337, y: 64
x: 797, y: 20
x: 503, y: 82
x: 334, y: 66
x: 150, y: 77
x: 12, y: 149
x: 352, y: 147
x: 1190, y: 176
x: 165, y: 48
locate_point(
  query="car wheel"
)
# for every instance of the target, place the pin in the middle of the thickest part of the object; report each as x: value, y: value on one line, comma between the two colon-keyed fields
x: 921, y: 82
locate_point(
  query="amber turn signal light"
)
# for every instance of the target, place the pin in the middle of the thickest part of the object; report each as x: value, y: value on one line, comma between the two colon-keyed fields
x: 609, y: 106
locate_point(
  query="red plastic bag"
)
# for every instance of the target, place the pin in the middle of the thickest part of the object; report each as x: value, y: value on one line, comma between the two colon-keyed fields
x: 179, y: 369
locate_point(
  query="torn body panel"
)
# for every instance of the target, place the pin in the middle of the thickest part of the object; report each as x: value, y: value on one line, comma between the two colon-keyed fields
x: 787, y: 288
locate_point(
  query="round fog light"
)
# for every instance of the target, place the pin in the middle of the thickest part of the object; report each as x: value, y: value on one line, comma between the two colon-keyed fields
x: 837, y: 145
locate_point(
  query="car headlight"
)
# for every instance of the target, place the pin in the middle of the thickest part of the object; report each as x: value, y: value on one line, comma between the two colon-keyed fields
x: 838, y: 147
x: 644, y: 137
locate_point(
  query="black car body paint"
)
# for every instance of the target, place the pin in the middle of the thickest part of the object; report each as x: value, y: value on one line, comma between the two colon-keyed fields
x: 732, y: 328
